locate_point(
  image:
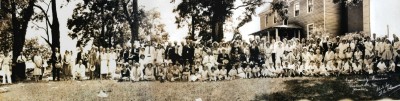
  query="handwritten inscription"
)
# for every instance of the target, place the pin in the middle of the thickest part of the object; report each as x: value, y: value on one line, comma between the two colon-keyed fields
x: 386, y: 88
x: 380, y: 84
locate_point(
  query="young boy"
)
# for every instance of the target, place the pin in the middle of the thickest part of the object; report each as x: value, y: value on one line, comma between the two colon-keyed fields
x: 222, y: 73
x: 256, y: 71
x: 125, y: 73
x: 134, y: 71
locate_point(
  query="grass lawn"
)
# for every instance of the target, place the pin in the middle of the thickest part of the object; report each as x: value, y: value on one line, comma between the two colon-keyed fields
x: 324, y: 88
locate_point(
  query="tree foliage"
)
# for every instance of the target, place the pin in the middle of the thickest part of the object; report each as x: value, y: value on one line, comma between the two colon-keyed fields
x: 208, y: 16
x: 109, y: 23
x: 348, y: 2
x: 20, y: 12
x: 98, y: 20
x: 280, y: 8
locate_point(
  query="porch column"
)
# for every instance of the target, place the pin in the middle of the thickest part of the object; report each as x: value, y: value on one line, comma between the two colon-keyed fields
x: 276, y: 35
x: 268, y: 36
x: 298, y: 33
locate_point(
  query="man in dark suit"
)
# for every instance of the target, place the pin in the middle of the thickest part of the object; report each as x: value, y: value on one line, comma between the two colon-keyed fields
x: 79, y: 55
x: 188, y: 53
x: 223, y: 58
x: 169, y: 52
x: 134, y: 54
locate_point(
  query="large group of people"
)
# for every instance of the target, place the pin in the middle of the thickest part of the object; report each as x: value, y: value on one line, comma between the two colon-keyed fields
x: 352, y: 54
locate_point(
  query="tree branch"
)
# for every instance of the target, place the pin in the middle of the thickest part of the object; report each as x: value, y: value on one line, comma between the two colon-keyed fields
x: 47, y: 41
x: 45, y: 14
x: 126, y: 12
x: 247, y: 4
x: 45, y: 29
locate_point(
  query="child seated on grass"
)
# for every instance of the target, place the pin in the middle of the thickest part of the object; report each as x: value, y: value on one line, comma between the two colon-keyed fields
x: 382, y: 67
x: 204, y: 74
x: 233, y: 73
x: 125, y: 72
x: 247, y: 71
x: 264, y: 71
x: 256, y: 71
x: 222, y: 73
x: 212, y: 75
x: 357, y: 67
x: 149, y: 73
x: 240, y: 72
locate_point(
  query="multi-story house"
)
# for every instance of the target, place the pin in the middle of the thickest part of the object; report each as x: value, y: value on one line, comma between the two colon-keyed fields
x: 305, y: 16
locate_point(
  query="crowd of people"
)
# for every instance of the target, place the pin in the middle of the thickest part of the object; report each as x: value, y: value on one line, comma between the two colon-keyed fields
x: 352, y: 54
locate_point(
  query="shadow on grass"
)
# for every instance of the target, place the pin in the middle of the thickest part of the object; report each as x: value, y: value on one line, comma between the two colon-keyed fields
x: 333, y: 88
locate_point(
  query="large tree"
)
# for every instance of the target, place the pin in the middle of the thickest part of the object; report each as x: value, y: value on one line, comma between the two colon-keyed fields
x: 21, y: 12
x: 209, y: 16
x: 103, y: 19
x: 54, y: 25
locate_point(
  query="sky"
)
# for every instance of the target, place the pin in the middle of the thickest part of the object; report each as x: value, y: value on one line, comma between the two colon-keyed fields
x: 167, y: 16
x: 385, y: 14
x: 380, y: 18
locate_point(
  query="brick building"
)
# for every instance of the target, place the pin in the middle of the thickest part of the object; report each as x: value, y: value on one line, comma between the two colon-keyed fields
x: 306, y: 15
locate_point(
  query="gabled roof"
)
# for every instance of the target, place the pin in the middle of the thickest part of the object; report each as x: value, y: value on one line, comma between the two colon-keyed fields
x: 289, y: 26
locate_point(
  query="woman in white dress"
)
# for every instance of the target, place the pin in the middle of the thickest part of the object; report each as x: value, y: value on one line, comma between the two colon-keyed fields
x: 103, y: 63
x: 160, y: 54
x: 38, y: 60
x: 5, y: 67
x: 67, y: 65
x: 112, y: 63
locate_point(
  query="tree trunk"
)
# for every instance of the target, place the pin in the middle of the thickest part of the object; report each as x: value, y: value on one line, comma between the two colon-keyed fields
x: 55, y: 32
x: 217, y: 30
x: 193, y: 28
x: 20, y: 27
x: 135, y: 25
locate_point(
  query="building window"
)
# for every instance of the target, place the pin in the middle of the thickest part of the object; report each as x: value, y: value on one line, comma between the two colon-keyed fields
x: 310, y: 6
x: 266, y: 20
x: 310, y: 29
x: 275, y: 19
x: 285, y: 22
x: 296, y: 9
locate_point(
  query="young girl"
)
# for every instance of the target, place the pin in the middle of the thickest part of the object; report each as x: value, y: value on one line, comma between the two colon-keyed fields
x: 300, y: 69
x: 368, y: 65
x: 392, y: 66
x: 382, y: 67
x: 247, y: 70
x: 323, y: 70
x: 204, y: 74
x: 222, y: 73
x: 271, y: 70
x: 357, y: 67
x: 279, y: 70
x: 256, y: 71
x: 232, y: 73
x: 346, y: 67
x: 240, y: 72
x: 149, y: 72
x: 213, y: 74
x: 264, y: 71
